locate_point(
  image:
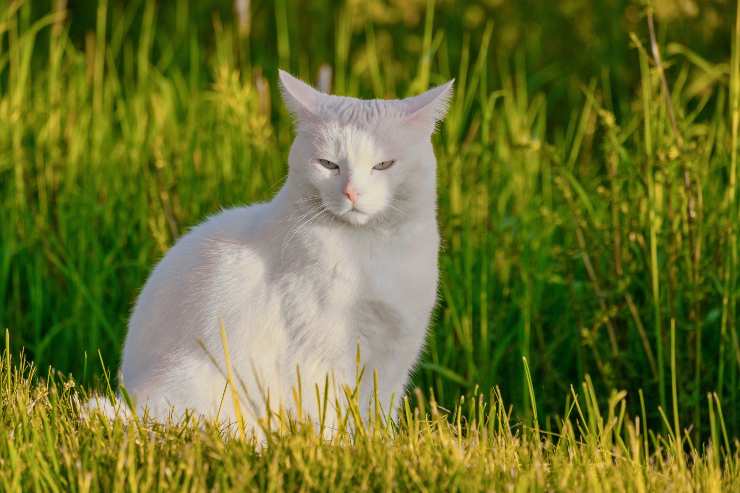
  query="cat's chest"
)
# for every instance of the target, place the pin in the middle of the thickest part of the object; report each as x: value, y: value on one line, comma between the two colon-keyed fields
x: 391, y: 266
x: 379, y: 281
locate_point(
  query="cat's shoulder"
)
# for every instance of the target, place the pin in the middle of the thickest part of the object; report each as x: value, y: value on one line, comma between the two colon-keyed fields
x: 227, y: 232
x: 235, y: 221
x: 235, y: 225
x: 230, y: 240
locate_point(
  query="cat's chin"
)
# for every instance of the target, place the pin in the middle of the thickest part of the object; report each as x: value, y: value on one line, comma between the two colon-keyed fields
x: 355, y: 217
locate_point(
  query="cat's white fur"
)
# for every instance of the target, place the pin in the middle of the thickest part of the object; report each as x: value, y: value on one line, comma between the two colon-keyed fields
x: 303, y: 280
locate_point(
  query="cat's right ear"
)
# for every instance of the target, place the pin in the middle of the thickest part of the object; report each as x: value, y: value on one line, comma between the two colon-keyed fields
x: 302, y: 100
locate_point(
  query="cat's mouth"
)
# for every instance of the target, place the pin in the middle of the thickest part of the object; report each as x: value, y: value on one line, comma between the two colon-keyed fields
x: 350, y: 214
x: 355, y: 216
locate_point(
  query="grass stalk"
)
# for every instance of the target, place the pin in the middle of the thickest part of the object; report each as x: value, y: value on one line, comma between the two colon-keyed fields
x: 235, y: 399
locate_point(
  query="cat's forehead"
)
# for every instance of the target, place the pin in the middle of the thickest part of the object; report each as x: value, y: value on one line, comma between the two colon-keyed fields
x: 350, y: 126
x: 340, y: 139
x: 361, y: 113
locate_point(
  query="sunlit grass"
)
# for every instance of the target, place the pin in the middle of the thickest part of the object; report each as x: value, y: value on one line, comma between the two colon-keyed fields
x: 47, y: 444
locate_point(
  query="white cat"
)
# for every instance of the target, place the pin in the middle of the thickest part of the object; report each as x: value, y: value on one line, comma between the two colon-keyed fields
x: 345, y: 255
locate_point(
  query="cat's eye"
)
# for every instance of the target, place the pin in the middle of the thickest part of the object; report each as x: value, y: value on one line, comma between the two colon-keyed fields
x: 384, y: 165
x: 328, y: 164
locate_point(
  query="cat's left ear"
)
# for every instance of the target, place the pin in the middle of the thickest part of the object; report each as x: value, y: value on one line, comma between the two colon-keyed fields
x: 427, y: 109
x: 302, y: 100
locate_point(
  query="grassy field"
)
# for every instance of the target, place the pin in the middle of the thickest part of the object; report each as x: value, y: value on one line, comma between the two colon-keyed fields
x: 588, y: 205
x: 476, y: 447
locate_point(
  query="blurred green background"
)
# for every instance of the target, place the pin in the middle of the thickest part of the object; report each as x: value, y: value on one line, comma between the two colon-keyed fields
x: 584, y: 229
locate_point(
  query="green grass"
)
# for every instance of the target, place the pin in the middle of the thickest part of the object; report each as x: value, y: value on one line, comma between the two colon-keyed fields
x: 588, y: 208
x: 45, y: 445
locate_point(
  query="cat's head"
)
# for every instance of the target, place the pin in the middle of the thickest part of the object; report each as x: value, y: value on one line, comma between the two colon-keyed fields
x: 364, y: 159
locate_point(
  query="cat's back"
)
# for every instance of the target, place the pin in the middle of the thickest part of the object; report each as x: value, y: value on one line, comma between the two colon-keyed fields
x: 215, y: 261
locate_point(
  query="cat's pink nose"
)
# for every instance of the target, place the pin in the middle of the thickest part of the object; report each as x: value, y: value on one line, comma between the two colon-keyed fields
x: 350, y: 193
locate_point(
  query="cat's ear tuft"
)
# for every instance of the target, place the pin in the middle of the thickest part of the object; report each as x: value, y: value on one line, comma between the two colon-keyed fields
x: 302, y: 100
x: 427, y: 109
